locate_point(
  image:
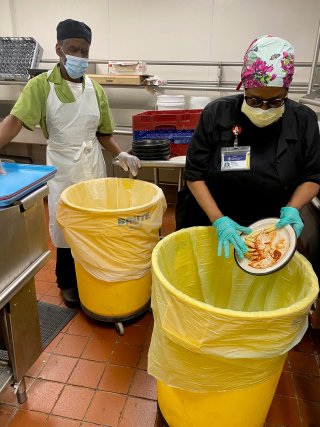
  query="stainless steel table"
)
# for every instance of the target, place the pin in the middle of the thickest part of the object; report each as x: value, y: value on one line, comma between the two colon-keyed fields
x: 173, y: 163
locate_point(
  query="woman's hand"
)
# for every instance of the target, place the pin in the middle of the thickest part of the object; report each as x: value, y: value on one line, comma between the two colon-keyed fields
x: 227, y: 231
x: 290, y: 215
x: 302, y: 195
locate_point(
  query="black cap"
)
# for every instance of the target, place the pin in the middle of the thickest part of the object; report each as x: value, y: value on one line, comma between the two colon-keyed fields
x: 70, y: 29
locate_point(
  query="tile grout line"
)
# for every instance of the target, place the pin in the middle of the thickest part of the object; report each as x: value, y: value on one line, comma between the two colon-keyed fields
x: 128, y: 394
x: 49, y: 380
x: 295, y: 397
x: 117, y: 341
x: 97, y: 387
x: 107, y: 363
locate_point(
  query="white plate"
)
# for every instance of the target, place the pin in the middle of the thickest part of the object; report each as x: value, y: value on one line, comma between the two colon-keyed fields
x: 286, y: 232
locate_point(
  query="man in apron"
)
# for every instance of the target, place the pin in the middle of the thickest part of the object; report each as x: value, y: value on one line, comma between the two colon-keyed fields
x: 74, y: 115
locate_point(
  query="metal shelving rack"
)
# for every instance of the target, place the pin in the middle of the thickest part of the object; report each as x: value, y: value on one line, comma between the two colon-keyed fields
x: 220, y: 84
x: 313, y: 95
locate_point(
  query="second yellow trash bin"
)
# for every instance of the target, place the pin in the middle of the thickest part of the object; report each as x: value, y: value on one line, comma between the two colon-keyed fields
x: 112, y: 226
x: 221, y: 336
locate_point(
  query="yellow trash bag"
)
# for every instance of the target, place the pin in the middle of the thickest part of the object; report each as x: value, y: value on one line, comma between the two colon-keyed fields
x: 112, y: 226
x: 217, y: 327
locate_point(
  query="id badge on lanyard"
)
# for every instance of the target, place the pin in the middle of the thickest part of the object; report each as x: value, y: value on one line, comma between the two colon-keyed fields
x: 235, y: 158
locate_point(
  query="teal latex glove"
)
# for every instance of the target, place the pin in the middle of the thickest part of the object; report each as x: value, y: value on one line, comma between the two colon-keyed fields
x: 227, y: 231
x: 289, y: 215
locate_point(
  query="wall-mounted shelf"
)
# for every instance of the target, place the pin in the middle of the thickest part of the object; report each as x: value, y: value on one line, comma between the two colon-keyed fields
x: 218, y: 85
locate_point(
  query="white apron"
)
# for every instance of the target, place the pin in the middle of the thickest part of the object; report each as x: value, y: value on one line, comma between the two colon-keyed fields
x: 73, y: 147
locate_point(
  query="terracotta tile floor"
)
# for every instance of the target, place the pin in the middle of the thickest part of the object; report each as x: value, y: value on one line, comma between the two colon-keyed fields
x: 89, y: 376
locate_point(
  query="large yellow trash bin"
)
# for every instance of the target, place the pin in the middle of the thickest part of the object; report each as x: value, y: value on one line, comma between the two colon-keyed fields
x: 221, y: 336
x: 112, y: 226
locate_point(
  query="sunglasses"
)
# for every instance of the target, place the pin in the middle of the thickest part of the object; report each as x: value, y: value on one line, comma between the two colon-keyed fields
x: 272, y: 103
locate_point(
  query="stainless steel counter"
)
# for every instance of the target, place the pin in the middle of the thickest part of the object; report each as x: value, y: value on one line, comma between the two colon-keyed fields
x: 23, y: 252
x: 173, y: 163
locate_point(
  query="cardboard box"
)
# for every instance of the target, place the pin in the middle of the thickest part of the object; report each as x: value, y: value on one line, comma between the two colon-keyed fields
x: 117, y: 79
x: 127, y: 68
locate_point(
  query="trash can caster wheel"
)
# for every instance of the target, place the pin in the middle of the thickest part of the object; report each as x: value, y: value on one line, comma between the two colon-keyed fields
x: 119, y: 327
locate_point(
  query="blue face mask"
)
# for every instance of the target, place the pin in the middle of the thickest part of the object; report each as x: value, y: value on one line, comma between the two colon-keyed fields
x: 75, y: 66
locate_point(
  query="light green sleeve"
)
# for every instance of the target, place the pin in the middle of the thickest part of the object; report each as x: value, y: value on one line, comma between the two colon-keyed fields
x: 31, y: 104
x: 106, y: 125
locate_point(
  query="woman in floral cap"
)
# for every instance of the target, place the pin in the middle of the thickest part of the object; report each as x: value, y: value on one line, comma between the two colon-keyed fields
x: 254, y: 155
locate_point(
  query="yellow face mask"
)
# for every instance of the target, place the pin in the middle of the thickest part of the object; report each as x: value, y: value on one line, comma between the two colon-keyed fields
x: 260, y: 117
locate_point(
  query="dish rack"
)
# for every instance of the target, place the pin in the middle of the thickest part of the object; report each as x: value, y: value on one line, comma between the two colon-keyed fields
x: 17, y: 56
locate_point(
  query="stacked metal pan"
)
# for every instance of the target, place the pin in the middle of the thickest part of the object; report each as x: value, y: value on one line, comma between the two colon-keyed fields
x: 151, y: 149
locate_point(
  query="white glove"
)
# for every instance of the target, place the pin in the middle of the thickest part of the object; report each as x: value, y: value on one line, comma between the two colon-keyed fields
x: 127, y: 161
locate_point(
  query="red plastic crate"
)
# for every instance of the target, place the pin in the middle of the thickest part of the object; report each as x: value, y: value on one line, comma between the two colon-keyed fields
x: 175, y: 125
x: 178, y: 149
x: 167, y: 119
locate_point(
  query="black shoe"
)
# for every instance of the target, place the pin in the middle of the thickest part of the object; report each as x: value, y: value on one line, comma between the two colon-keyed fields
x: 70, y: 297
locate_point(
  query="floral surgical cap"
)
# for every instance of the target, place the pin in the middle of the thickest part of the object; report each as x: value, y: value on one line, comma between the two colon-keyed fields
x: 269, y: 61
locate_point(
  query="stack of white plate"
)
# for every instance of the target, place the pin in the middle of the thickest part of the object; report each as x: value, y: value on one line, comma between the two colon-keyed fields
x: 170, y: 102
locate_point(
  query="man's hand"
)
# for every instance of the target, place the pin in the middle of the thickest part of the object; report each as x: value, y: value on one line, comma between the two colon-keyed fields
x: 129, y: 162
x: 9, y: 128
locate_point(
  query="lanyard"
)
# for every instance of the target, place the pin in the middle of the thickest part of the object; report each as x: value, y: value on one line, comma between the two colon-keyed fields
x: 235, y: 158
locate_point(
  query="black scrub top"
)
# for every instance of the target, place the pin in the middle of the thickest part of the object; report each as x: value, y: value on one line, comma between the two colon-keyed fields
x: 283, y: 156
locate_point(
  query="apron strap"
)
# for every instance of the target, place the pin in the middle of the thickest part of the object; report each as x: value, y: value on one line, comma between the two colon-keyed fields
x: 86, y: 146
x: 81, y: 155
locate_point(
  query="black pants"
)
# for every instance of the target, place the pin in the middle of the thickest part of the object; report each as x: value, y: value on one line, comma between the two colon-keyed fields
x: 65, y: 270
x: 188, y: 212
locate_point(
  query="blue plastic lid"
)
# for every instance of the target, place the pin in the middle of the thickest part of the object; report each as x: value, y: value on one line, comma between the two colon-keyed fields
x: 22, y: 179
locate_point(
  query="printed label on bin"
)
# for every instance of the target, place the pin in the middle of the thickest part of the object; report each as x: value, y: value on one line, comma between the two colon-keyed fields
x: 133, y: 219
